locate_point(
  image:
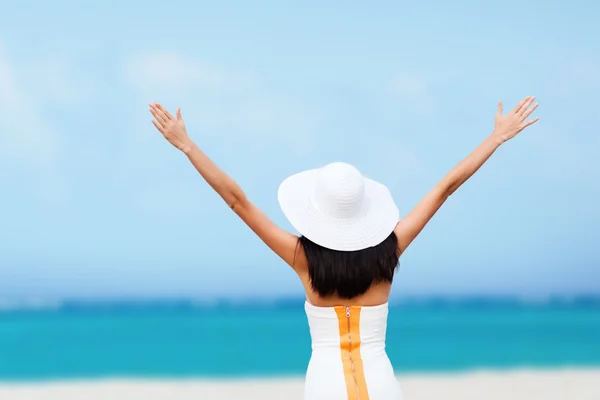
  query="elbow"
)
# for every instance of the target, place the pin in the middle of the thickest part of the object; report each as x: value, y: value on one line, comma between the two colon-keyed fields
x: 238, y: 202
x: 450, y: 183
x: 448, y: 191
x: 446, y: 188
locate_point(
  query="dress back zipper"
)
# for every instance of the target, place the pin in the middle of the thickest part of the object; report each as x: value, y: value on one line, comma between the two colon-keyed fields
x: 348, y: 316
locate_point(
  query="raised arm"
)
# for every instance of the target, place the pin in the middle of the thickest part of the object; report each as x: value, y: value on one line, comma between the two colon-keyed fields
x: 281, y: 242
x: 506, y: 127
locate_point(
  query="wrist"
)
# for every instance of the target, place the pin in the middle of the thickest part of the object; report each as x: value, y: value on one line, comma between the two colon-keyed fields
x: 497, y: 137
x: 187, y: 148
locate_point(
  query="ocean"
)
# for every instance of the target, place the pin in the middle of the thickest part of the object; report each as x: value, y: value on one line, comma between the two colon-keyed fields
x: 184, y: 338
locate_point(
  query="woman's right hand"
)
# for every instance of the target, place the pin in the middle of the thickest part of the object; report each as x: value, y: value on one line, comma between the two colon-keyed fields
x: 173, y: 129
x: 508, y: 126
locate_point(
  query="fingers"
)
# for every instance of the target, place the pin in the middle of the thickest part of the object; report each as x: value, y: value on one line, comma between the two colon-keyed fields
x: 160, y: 117
x: 528, y: 112
x: 500, y: 108
x: 179, y: 114
x: 159, y: 114
x: 526, y: 124
x: 158, y: 126
x: 521, y: 103
x: 526, y: 105
x: 165, y: 112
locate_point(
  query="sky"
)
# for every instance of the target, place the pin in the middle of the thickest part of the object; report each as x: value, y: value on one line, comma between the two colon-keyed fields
x: 94, y: 203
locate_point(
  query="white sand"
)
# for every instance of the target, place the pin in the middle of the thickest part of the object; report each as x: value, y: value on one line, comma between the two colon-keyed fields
x: 571, y: 384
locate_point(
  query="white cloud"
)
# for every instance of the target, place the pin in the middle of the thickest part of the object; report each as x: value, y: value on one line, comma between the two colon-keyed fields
x: 28, y: 145
x: 23, y: 135
x: 159, y: 71
x: 215, y: 100
x: 219, y: 100
x: 57, y: 81
x: 413, y: 91
x: 226, y: 98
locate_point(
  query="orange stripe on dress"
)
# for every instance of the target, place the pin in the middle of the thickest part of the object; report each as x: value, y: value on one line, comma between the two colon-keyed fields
x: 349, y: 327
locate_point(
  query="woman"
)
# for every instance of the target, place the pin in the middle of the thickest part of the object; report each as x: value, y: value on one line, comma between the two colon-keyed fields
x: 350, y: 243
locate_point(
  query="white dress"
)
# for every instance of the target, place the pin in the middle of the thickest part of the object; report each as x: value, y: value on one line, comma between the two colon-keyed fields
x: 349, y: 361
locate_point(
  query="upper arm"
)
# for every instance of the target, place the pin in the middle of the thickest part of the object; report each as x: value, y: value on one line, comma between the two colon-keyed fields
x: 410, y: 226
x: 283, y: 243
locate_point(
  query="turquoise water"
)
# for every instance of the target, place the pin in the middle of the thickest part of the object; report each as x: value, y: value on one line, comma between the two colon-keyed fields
x: 178, y: 339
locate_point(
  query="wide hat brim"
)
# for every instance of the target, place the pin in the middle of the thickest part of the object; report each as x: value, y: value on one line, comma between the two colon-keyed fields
x: 375, y: 223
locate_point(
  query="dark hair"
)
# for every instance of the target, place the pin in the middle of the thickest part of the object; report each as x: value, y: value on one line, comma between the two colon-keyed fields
x: 350, y: 273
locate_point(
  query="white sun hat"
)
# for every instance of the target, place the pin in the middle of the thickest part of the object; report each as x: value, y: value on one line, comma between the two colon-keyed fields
x: 338, y: 208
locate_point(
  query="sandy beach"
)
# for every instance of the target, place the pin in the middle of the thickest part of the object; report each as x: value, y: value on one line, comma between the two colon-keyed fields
x: 572, y: 384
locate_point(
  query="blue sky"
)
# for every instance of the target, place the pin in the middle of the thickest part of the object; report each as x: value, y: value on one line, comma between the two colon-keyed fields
x: 94, y: 202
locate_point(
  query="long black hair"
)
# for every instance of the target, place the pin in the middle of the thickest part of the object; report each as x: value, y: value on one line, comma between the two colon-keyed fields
x: 350, y: 273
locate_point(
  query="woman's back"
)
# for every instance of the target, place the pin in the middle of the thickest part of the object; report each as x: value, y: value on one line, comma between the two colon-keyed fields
x: 377, y: 294
x: 348, y: 360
